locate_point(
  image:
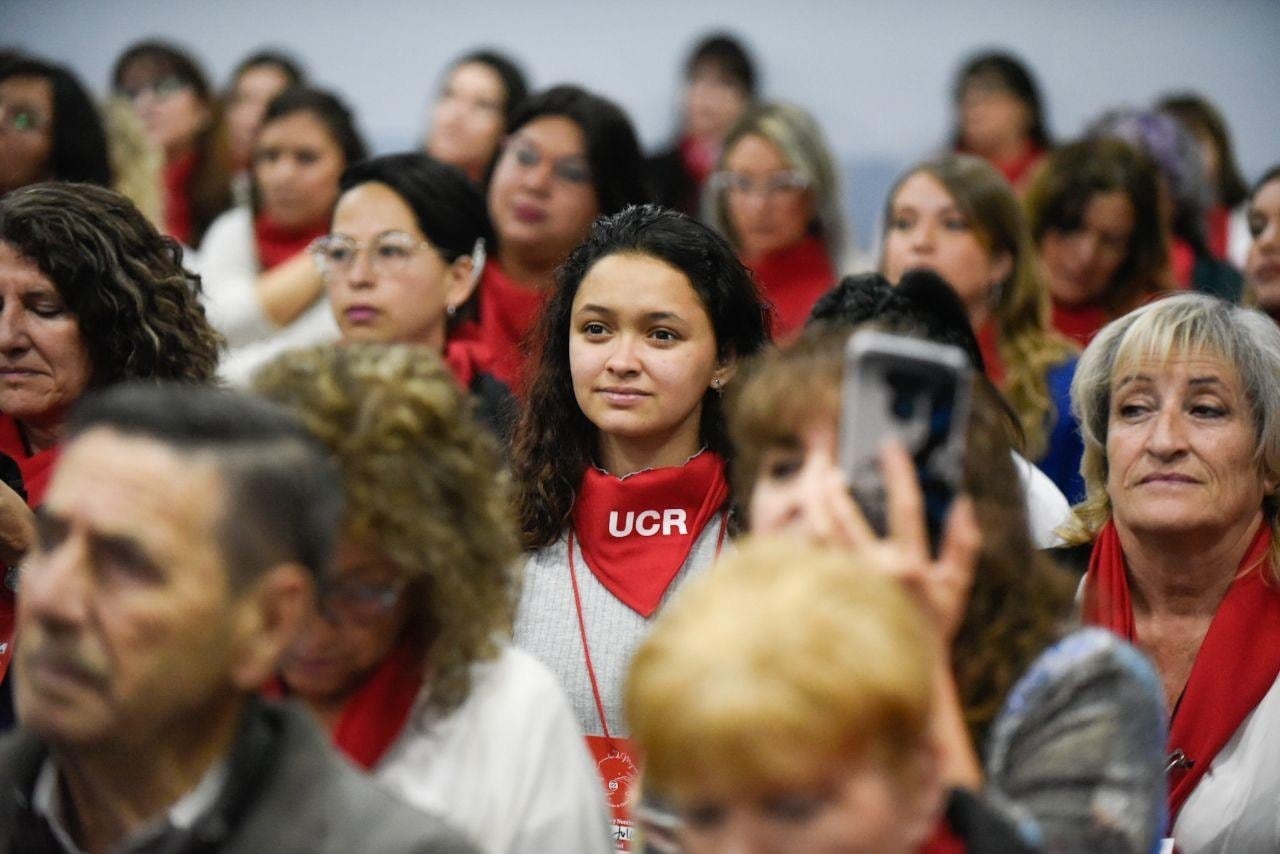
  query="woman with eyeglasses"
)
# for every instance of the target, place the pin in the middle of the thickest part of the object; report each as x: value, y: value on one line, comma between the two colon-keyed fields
x: 49, y: 127
x: 182, y: 119
x: 404, y: 253
x: 776, y: 197
x: 263, y: 290
x: 408, y: 661
x: 570, y: 157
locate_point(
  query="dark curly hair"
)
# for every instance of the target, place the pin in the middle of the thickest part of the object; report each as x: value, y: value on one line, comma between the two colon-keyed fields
x: 554, y: 442
x: 139, y: 310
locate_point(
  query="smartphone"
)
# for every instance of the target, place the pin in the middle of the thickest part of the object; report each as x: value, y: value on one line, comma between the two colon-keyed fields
x: 919, y: 392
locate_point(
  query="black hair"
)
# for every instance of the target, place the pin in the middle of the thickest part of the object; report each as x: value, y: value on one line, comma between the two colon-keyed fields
x: 515, y: 86
x: 554, y: 441
x: 168, y: 57
x: 1267, y: 177
x: 271, y: 58
x: 79, y: 141
x: 613, y: 152
x: 283, y: 500
x: 448, y: 208
x: 329, y: 109
x: 1013, y: 76
x: 729, y: 56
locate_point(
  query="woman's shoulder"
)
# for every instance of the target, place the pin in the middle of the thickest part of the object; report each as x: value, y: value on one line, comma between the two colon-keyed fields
x: 228, y: 245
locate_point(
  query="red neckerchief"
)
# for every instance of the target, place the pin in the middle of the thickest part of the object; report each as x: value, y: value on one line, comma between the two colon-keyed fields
x: 36, y: 470
x: 465, y: 359
x: 699, y: 156
x: 1016, y: 169
x: 372, y: 718
x: 277, y: 244
x: 508, y: 310
x: 1236, y: 666
x: 1218, y: 225
x: 177, y: 202
x: 792, y: 279
x: 636, y: 532
x: 1080, y: 322
x: 944, y: 840
x: 989, y: 346
x: 1182, y: 258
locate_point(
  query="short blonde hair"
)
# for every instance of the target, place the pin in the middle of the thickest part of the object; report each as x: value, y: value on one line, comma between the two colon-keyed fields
x: 782, y: 660
x: 1243, y: 338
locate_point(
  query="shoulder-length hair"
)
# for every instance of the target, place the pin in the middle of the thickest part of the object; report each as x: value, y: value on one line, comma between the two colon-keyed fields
x: 423, y: 487
x: 1013, y: 76
x: 1186, y: 323
x: 1203, y: 119
x: 1028, y: 345
x: 798, y: 137
x: 554, y: 442
x: 139, y: 310
x: 79, y: 141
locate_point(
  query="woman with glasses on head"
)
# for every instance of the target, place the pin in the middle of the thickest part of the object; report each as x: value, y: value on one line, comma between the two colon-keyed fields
x: 182, y: 118
x: 49, y: 127
x: 263, y: 290
x: 408, y: 661
x: 404, y: 253
x: 776, y: 197
x: 570, y: 157
x: 473, y: 110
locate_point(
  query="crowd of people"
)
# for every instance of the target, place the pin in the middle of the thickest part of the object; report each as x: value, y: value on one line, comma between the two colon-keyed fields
x: 494, y: 496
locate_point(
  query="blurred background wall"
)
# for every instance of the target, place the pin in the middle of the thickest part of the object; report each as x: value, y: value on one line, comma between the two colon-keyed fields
x: 877, y: 73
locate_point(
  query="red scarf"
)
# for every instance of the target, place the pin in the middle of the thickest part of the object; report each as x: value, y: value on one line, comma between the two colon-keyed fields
x: 1218, y: 225
x: 1080, y: 322
x: 177, y: 200
x: 699, y: 156
x: 277, y: 244
x: 508, y: 310
x: 637, y: 531
x: 989, y: 346
x: 1182, y: 258
x: 1226, y: 682
x: 1017, y: 169
x: 465, y: 359
x: 792, y: 279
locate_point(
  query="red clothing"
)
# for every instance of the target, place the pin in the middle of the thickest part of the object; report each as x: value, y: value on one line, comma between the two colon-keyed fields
x: 1079, y: 322
x: 508, y: 310
x: 1218, y: 221
x: 277, y: 245
x: 989, y: 346
x: 792, y: 279
x: 1017, y: 170
x: 177, y: 202
x: 699, y: 157
x: 1183, y: 259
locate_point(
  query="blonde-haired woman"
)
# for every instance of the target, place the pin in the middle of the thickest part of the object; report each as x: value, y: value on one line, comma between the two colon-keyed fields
x: 957, y: 216
x: 776, y: 196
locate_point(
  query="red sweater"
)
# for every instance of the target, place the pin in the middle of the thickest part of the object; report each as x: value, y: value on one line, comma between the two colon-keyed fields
x: 792, y: 279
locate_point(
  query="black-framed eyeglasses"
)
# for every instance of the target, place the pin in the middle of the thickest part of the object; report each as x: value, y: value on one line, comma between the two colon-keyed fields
x: 21, y: 118
x: 165, y: 87
x: 572, y: 169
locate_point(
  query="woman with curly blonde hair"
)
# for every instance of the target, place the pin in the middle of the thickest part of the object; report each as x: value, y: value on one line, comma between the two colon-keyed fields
x: 408, y: 661
x: 957, y: 216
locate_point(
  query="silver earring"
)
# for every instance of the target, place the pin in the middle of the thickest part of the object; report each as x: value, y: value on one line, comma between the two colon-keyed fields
x: 451, y: 310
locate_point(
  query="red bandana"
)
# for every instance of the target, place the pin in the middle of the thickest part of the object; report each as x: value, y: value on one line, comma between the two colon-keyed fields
x: 464, y: 359
x: 277, y: 244
x: 508, y: 310
x: 636, y: 532
x: 792, y: 279
x: 177, y: 204
x: 1225, y: 685
x: 1079, y: 323
x: 1019, y: 168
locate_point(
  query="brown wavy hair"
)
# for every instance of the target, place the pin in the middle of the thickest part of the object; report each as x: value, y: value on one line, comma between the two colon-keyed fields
x: 139, y: 310
x: 423, y: 486
x: 1020, y: 598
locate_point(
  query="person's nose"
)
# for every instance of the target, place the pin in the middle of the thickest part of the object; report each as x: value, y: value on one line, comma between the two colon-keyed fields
x: 537, y: 177
x: 1168, y: 438
x: 14, y: 337
x: 624, y: 356
x: 361, y: 274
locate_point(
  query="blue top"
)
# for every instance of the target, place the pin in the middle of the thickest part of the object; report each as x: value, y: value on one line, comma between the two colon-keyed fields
x: 1061, y: 461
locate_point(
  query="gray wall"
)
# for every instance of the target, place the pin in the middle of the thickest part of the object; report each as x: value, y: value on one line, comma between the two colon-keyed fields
x: 876, y: 73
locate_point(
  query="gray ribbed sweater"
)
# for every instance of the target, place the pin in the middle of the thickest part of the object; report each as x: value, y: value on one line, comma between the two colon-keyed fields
x: 547, y: 625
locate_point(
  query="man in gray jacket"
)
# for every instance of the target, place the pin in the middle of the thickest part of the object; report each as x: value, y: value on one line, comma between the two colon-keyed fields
x: 178, y: 549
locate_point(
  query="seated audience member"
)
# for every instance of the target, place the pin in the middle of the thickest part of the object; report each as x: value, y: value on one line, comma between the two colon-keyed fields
x: 473, y: 111
x: 1179, y: 401
x: 622, y: 489
x: 776, y: 197
x: 135, y: 164
x: 256, y: 81
x: 178, y: 549
x: 1262, y: 268
x: 1094, y: 213
x: 49, y: 127
x: 957, y: 217
x: 999, y: 116
x: 785, y: 703
x: 263, y: 289
x: 784, y: 422
x: 409, y: 664
x: 1077, y: 754
x: 422, y: 229
x: 90, y: 295
x: 719, y: 85
x: 923, y: 302
x: 1227, y: 234
x: 182, y: 119
x: 570, y: 157
x: 1186, y: 194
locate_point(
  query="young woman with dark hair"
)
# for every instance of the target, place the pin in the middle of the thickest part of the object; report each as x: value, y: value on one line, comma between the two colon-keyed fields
x: 264, y: 292
x: 1000, y: 116
x: 50, y: 129
x: 621, y: 485
x: 256, y: 81
x: 182, y: 118
x: 570, y: 157
x: 1262, y: 268
x: 476, y: 104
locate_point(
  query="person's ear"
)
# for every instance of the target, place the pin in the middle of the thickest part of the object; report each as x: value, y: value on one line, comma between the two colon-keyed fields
x: 460, y: 281
x: 725, y: 369
x: 270, y: 614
